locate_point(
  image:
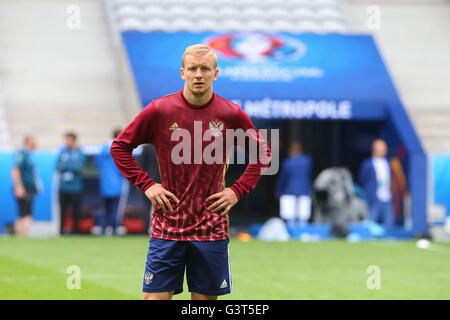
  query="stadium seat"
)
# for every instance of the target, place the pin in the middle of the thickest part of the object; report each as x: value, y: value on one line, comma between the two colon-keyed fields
x: 327, y: 2
x: 252, y: 13
x: 131, y: 23
x: 308, y: 26
x: 302, y: 13
x: 178, y: 12
x: 157, y: 25
x: 300, y: 3
x: 203, y: 12
x: 181, y: 25
x: 149, y: 2
x: 118, y: 3
x: 171, y: 3
x: 334, y: 26
x: 275, y: 3
x: 198, y: 3
x: 328, y: 13
x: 224, y: 3
x: 282, y: 26
x: 129, y: 11
x: 207, y: 25
x: 233, y: 25
x: 154, y: 11
x: 278, y: 13
x: 227, y: 12
x: 257, y: 25
x: 248, y: 3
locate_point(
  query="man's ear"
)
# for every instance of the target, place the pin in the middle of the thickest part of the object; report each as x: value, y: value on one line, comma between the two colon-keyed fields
x: 217, y: 73
x: 182, y: 74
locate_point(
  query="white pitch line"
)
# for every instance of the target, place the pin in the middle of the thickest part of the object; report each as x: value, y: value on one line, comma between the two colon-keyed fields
x: 433, y: 246
x: 63, y: 276
x: 439, y: 248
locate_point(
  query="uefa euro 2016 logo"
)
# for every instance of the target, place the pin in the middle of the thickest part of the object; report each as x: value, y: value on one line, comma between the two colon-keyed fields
x: 255, y: 46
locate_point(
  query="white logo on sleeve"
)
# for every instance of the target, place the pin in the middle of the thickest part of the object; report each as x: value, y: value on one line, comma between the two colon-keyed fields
x: 224, y: 284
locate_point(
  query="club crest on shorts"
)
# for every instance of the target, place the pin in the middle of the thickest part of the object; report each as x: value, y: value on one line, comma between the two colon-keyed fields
x: 216, y: 127
x: 148, y: 277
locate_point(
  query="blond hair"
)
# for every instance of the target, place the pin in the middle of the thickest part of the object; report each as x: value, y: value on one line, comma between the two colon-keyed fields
x: 199, y: 50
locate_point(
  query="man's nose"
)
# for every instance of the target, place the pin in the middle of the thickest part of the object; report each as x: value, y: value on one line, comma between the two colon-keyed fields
x: 198, y: 73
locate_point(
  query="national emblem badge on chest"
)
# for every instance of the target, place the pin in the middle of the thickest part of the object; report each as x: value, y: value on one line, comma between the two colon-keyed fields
x: 216, y: 127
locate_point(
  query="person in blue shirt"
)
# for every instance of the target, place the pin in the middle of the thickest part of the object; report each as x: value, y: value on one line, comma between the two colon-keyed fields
x: 69, y: 166
x: 25, y: 185
x: 293, y: 186
x: 375, y: 178
x: 111, y: 185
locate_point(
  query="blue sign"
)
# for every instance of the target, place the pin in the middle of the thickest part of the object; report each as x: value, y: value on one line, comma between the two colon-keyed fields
x: 441, y: 180
x: 281, y: 76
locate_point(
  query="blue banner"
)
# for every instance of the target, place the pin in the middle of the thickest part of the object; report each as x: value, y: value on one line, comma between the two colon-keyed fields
x: 283, y: 76
x: 440, y: 164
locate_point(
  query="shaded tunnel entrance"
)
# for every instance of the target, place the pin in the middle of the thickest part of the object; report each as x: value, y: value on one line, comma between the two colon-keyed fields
x: 328, y: 143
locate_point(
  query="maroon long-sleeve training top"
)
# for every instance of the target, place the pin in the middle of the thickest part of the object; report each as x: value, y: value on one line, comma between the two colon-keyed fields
x: 185, y: 166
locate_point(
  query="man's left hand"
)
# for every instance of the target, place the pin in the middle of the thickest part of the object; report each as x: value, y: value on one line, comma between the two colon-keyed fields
x: 224, y: 199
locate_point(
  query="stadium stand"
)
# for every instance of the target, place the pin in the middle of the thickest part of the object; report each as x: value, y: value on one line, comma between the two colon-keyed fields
x: 416, y: 64
x: 56, y: 78
x: 277, y: 16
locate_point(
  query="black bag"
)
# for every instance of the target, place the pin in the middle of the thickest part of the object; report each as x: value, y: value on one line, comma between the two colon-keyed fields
x: 339, y: 230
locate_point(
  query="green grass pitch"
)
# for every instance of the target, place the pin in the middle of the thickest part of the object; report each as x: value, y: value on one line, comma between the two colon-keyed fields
x: 112, y: 268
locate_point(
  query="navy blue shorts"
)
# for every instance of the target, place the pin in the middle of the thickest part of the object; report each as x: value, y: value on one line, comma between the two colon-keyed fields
x: 207, y: 267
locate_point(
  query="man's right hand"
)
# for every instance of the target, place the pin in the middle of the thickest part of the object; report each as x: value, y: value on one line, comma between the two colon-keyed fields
x: 158, y: 195
x: 19, y: 191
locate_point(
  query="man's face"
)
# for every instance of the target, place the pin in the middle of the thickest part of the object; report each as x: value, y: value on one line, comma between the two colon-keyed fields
x: 294, y: 149
x: 198, y: 73
x: 70, y: 142
x: 379, y: 149
x: 32, y: 143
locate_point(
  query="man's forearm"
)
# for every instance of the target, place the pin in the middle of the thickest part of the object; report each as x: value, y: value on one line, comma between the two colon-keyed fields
x: 248, y: 180
x: 129, y: 167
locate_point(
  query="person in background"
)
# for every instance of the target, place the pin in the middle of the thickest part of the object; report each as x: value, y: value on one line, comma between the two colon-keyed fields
x: 375, y: 178
x: 70, y: 163
x: 25, y: 185
x: 293, y: 186
x: 111, y: 185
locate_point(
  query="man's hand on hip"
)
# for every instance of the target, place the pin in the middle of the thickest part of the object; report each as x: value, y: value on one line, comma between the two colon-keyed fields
x: 224, y: 199
x: 159, y: 196
x: 19, y: 191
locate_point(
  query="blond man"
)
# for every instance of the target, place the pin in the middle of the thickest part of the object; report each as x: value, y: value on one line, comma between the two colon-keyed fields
x: 190, y: 225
